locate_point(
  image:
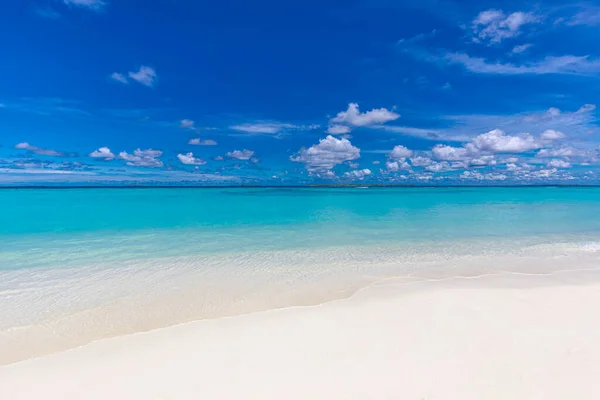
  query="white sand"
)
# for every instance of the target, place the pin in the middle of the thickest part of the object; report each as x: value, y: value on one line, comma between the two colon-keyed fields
x: 503, y: 337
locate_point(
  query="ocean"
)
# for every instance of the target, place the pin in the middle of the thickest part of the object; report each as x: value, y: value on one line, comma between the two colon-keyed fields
x: 78, y: 265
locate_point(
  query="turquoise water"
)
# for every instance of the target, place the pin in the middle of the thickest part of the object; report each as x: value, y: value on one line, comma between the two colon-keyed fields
x: 90, y: 210
x: 66, y: 225
x: 82, y: 264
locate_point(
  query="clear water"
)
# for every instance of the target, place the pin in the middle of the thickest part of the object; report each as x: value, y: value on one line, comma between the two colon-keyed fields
x: 72, y: 227
x: 79, y: 264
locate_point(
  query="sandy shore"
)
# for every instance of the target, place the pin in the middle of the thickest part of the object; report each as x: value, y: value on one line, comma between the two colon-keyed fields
x: 496, y: 337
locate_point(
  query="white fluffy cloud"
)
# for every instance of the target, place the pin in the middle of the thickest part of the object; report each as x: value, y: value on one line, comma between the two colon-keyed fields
x: 420, y: 161
x: 480, y: 151
x: 438, y: 167
x: 448, y: 153
x: 399, y: 153
x: 189, y: 159
x: 240, y: 154
x: 102, y: 152
x: 359, y: 174
x: 198, y: 142
x: 395, y: 166
x: 494, y: 25
x: 552, y: 134
x: 483, y: 161
x: 327, y: 154
x: 142, y: 158
x: 353, y: 117
x: 557, y: 163
x: 497, y: 141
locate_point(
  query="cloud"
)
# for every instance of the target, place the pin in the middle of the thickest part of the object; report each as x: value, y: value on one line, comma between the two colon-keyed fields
x: 588, y: 16
x: 187, y: 124
x: 145, y: 75
x: 240, y: 154
x: 475, y: 175
x: 449, y: 153
x: 102, y: 152
x: 557, y: 116
x: 399, y: 153
x: 417, y: 38
x: 395, y: 166
x: 189, y: 159
x: 577, y: 123
x: 556, y: 163
x: 338, y: 130
x: 564, y: 151
x: 270, y: 128
x: 198, y: 142
x: 406, y: 130
x: 327, y: 154
x: 353, y: 117
x: 439, y: 167
x: 521, y: 48
x: 552, y: 134
x: 421, y: 161
x: 483, y: 161
x: 359, y: 174
x: 494, y: 26
x: 479, y: 151
x: 267, y: 128
x: 94, y: 5
x: 115, y: 76
x: 568, y: 65
x: 143, y: 158
x: 39, y: 150
x: 497, y: 141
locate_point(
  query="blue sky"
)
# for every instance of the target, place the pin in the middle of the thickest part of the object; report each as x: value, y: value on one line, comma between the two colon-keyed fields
x: 266, y: 92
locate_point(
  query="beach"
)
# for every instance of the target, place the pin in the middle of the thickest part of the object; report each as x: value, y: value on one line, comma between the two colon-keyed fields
x: 500, y: 336
x: 429, y: 293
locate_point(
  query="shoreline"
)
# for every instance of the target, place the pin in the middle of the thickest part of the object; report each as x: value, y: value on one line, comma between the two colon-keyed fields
x: 156, y: 309
x: 497, y: 336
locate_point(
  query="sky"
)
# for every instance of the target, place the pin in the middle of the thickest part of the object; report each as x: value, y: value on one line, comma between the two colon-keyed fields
x: 122, y: 92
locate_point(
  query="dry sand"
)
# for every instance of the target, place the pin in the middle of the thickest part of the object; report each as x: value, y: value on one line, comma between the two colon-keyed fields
x: 496, y: 337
